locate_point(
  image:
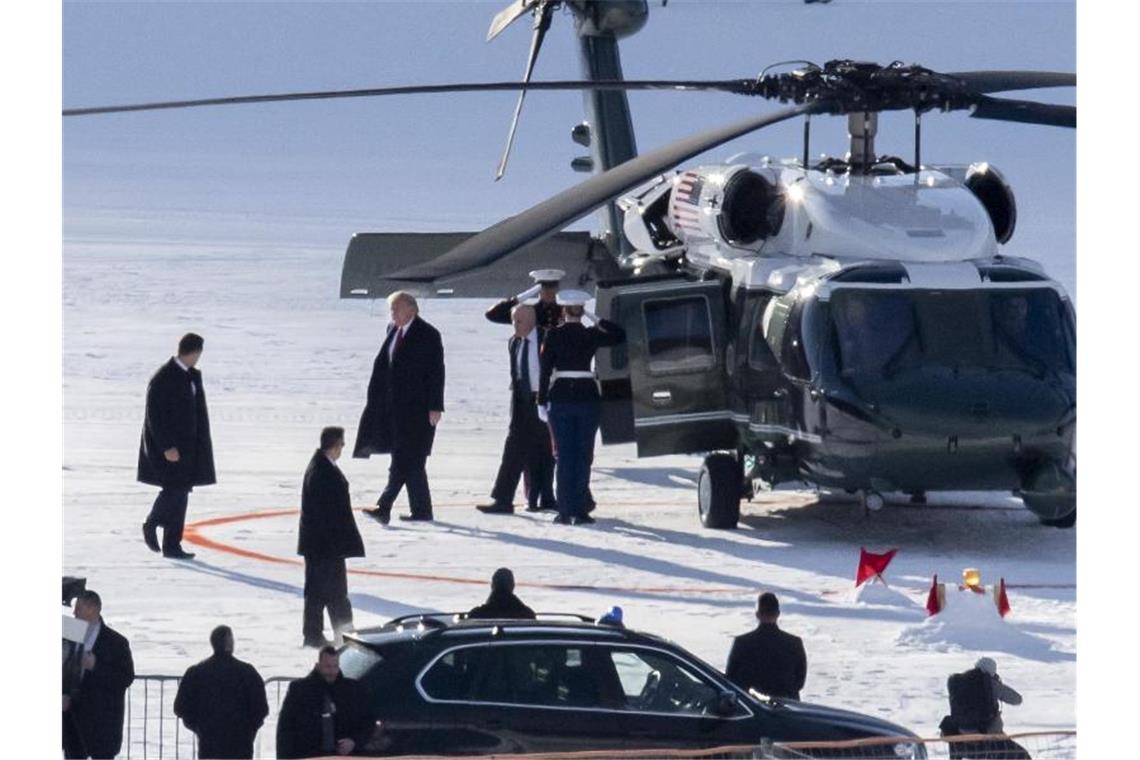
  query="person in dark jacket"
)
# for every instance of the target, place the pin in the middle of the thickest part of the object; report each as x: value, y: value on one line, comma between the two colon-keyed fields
x: 502, y: 602
x: 324, y: 713
x: 405, y: 403
x: 527, y: 448
x: 93, y: 713
x: 548, y: 313
x: 222, y: 700
x: 976, y: 709
x: 568, y: 397
x: 328, y: 535
x: 768, y: 660
x: 175, y: 453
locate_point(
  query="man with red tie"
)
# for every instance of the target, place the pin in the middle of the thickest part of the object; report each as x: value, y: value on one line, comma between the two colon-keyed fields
x: 404, y: 405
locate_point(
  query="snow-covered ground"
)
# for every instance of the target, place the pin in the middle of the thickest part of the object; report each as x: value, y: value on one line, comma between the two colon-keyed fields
x: 284, y: 357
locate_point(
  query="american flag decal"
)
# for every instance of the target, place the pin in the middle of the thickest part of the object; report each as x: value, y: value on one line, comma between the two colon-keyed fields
x: 686, y: 200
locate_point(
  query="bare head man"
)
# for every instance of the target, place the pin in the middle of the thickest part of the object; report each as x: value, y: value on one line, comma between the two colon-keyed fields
x: 328, y: 664
x: 402, y: 307
x: 767, y: 608
x: 523, y: 318
x: 88, y: 606
x: 332, y: 442
x: 190, y: 349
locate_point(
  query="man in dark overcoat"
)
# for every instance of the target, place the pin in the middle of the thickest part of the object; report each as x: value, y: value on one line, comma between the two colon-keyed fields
x: 501, y: 602
x: 767, y: 659
x: 175, y: 453
x: 222, y: 700
x: 405, y: 403
x: 93, y: 713
x: 324, y: 713
x: 528, y: 447
x: 328, y: 535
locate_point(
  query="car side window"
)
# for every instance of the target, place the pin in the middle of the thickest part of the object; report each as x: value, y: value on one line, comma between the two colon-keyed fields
x: 655, y: 682
x: 455, y: 675
x: 546, y: 675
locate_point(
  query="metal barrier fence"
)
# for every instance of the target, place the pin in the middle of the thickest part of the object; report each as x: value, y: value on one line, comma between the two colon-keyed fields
x: 153, y: 732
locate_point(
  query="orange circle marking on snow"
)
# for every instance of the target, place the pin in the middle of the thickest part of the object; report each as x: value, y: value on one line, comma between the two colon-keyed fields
x: 193, y: 534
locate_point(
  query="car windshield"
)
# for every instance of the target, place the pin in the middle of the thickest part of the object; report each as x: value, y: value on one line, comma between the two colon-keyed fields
x: 887, y: 332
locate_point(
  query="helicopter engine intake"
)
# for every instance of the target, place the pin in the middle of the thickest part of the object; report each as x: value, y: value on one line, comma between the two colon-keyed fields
x: 739, y: 207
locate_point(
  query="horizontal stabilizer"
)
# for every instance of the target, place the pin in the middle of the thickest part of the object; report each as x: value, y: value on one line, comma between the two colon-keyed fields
x: 372, y: 256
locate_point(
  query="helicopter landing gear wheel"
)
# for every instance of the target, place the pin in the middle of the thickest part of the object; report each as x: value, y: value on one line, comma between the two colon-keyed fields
x: 718, y: 491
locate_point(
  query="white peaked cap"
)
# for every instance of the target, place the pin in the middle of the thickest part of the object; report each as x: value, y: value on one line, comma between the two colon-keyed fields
x: 573, y: 297
x: 547, y: 275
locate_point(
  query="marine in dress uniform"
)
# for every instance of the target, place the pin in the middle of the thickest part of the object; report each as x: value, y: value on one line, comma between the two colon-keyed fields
x: 568, y: 386
x: 548, y: 313
x: 527, y: 448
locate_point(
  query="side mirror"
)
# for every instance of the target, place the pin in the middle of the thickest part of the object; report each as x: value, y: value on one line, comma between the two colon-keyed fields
x: 727, y: 704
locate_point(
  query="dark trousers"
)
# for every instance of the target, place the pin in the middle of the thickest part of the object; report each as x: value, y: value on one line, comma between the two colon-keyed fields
x: 574, y: 424
x: 326, y: 585
x: 76, y: 746
x: 407, y: 470
x: 169, y: 512
x: 527, y: 449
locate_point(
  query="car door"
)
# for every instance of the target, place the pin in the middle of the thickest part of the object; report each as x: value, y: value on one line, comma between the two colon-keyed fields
x: 674, y: 358
x: 671, y: 703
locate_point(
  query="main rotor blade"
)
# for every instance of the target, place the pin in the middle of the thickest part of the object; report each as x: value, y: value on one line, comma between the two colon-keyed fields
x: 560, y: 210
x: 1024, y: 112
x: 507, y: 16
x: 541, y: 24
x: 726, y: 85
x: 1004, y: 81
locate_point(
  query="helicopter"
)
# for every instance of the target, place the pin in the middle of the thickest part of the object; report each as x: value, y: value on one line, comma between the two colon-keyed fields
x: 845, y: 322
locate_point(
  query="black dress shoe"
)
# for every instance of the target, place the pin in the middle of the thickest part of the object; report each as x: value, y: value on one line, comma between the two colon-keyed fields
x: 584, y: 520
x: 533, y: 508
x: 178, y: 554
x: 416, y: 518
x: 562, y: 519
x: 381, y: 516
x: 150, y: 535
x: 496, y: 508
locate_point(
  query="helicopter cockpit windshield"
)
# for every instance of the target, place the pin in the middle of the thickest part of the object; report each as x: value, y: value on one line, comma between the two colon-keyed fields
x: 870, y: 334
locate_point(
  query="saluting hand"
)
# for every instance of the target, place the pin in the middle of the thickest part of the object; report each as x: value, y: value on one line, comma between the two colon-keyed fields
x: 433, y: 417
x: 171, y: 454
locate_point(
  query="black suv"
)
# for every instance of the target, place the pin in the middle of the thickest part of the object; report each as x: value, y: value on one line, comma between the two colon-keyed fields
x: 442, y: 684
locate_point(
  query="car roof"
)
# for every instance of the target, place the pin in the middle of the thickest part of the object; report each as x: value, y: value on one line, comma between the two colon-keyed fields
x: 457, y: 627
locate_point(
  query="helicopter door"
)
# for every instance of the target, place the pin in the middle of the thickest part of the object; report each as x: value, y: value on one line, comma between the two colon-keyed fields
x: 674, y: 357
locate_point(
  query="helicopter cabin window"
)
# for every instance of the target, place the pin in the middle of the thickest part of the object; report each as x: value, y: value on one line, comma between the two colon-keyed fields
x: 679, y: 335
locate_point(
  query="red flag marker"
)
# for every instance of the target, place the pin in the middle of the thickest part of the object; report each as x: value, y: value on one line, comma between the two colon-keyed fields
x: 872, y: 565
x: 932, y: 605
x: 1002, y: 599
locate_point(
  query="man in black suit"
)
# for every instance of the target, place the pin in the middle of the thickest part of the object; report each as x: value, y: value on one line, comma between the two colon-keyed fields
x: 93, y: 713
x: 222, y: 700
x: 324, y: 713
x: 405, y: 403
x: 527, y: 448
x: 328, y: 535
x: 176, y: 452
x: 501, y: 602
x: 768, y: 660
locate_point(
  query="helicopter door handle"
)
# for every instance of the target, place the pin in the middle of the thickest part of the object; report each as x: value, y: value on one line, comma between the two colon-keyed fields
x: 662, y: 398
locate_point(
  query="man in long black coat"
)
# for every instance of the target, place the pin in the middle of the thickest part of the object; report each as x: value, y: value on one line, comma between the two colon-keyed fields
x: 175, y: 452
x: 327, y: 536
x: 767, y: 659
x: 324, y: 713
x: 93, y: 714
x: 405, y: 403
x: 222, y: 700
x: 501, y: 602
